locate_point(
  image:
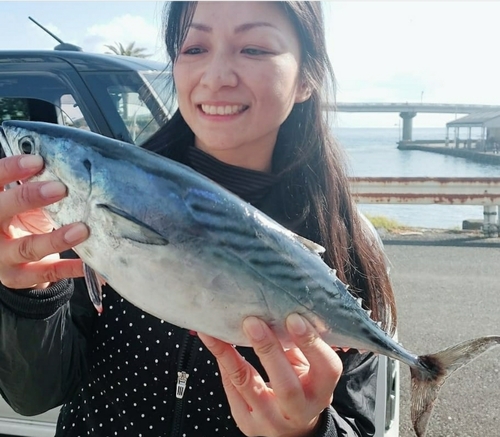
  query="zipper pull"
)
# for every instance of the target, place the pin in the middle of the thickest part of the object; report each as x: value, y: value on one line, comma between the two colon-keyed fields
x: 181, y: 384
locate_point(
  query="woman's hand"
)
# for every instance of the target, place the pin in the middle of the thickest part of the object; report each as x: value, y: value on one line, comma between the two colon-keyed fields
x: 301, y: 380
x: 29, y: 251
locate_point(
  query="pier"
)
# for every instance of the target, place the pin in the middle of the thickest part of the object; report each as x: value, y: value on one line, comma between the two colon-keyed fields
x: 439, y: 146
x: 484, y: 149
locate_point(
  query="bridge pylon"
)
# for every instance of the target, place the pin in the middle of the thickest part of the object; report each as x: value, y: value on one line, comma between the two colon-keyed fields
x: 407, y: 124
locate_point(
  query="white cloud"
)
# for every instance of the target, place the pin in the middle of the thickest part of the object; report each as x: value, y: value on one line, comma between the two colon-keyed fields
x: 125, y: 29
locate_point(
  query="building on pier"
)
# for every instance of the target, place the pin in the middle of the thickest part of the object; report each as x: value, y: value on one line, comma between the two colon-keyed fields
x: 488, y: 121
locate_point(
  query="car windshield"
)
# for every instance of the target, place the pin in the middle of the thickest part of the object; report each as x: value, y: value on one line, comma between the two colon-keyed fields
x: 160, y: 84
x: 136, y: 103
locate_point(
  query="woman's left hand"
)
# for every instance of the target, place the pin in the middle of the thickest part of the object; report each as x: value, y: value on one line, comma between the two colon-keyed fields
x: 301, y: 380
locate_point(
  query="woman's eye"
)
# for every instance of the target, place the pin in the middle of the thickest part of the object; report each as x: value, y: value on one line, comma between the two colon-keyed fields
x: 193, y: 51
x: 254, y: 52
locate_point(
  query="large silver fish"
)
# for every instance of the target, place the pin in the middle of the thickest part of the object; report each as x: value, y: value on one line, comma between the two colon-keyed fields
x: 183, y: 249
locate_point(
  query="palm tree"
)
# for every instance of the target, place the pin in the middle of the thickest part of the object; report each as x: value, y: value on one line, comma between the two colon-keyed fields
x: 130, y: 50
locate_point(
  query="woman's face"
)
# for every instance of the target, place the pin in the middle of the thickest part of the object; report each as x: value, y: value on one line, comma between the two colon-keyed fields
x: 237, y: 78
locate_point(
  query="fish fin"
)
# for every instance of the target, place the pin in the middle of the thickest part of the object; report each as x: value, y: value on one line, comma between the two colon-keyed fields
x: 133, y: 229
x: 94, y: 287
x: 311, y: 245
x: 340, y: 349
x: 427, y: 380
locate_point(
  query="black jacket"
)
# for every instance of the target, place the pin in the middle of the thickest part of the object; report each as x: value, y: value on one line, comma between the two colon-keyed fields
x: 118, y: 373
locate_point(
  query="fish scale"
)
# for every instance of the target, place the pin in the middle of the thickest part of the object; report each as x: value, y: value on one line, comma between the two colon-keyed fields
x: 194, y: 254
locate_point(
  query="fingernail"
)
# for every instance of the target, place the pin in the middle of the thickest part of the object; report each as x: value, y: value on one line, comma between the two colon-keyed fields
x: 76, y: 233
x: 296, y: 324
x: 254, y: 328
x: 52, y: 189
x: 31, y: 161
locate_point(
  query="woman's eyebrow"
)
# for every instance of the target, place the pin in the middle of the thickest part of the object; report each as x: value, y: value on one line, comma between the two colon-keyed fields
x: 201, y: 27
x: 248, y: 26
x: 239, y: 29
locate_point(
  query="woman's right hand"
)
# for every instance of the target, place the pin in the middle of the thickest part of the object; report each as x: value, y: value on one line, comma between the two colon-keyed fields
x: 29, y: 247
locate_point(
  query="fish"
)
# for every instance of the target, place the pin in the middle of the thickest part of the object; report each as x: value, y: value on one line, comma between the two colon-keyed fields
x: 184, y: 249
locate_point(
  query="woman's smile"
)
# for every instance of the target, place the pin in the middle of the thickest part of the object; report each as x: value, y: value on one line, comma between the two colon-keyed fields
x: 222, y: 109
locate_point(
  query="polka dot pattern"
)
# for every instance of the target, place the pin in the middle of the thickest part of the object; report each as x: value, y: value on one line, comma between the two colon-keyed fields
x: 131, y: 382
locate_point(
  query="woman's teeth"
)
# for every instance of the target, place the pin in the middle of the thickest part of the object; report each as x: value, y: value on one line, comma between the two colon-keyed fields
x: 222, y: 110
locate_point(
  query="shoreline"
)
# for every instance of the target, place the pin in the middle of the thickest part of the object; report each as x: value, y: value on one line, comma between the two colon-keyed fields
x: 451, y: 150
x: 437, y: 237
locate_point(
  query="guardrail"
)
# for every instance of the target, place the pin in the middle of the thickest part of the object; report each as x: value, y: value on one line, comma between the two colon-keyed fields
x: 445, y: 191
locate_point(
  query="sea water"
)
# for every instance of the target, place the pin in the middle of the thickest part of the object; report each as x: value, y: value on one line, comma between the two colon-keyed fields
x: 373, y: 152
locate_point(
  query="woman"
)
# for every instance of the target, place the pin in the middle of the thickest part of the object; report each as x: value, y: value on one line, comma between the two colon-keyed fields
x: 249, y: 78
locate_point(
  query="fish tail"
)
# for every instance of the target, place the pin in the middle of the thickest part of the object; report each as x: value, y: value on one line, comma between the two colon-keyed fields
x: 434, y: 369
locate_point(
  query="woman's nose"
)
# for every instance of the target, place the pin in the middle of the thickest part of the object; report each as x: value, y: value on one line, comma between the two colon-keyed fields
x: 219, y: 72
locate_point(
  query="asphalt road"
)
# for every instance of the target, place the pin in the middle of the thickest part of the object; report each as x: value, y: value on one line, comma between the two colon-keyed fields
x: 447, y: 290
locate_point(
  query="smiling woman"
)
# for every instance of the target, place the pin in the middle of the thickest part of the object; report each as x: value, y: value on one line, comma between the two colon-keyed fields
x: 250, y: 79
x: 238, y: 76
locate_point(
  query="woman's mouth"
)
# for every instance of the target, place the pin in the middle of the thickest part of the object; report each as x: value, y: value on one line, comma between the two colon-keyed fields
x: 223, y: 109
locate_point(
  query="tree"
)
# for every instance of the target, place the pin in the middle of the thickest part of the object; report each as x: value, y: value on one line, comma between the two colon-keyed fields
x: 130, y: 50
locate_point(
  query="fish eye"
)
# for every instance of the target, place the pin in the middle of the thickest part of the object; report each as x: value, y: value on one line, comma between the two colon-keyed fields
x: 27, y: 145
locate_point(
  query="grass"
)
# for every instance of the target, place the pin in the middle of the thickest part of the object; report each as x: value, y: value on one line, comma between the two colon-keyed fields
x: 381, y: 222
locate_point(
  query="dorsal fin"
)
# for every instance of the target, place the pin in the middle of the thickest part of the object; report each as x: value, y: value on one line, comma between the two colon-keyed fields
x: 311, y: 245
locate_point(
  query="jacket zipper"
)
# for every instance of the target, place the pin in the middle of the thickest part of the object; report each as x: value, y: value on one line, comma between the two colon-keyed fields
x: 187, y: 355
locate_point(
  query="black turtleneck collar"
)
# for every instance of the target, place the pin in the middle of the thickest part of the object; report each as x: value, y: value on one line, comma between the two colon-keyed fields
x: 250, y: 185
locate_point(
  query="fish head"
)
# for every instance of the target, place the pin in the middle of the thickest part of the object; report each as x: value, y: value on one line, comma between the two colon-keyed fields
x: 106, y: 180
x: 65, y: 158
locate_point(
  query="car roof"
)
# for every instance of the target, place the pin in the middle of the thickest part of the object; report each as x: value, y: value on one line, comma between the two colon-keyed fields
x: 82, y: 61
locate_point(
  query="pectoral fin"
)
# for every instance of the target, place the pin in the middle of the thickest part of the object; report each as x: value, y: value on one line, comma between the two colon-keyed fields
x: 94, y: 286
x: 131, y: 228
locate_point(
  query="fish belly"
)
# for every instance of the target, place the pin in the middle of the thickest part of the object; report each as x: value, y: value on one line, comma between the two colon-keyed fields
x: 186, y: 289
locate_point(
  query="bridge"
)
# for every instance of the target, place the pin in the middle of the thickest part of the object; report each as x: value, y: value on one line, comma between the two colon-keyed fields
x: 408, y: 110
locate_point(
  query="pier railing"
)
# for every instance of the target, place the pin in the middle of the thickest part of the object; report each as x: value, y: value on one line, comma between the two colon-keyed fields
x: 444, y: 191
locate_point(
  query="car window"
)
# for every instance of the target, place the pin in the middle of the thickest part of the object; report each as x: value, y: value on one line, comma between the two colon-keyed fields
x: 135, y: 111
x: 40, y: 96
x: 13, y: 109
x: 18, y: 108
x: 130, y: 100
x: 71, y: 113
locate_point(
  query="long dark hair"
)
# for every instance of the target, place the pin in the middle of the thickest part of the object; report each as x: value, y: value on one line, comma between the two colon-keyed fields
x: 309, y: 162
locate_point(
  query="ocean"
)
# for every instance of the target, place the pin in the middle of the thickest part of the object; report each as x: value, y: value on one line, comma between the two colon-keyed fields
x: 373, y: 152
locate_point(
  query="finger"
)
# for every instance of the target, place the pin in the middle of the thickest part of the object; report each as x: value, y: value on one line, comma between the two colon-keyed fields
x: 243, y: 413
x: 33, y: 248
x: 30, y: 222
x: 17, y: 168
x: 43, y: 272
x: 285, y: 382
x: 325, y: 365
x: 242, y: 375
x: 29, y: 196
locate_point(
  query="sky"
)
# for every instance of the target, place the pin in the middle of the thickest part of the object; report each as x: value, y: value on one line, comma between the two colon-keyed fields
x: 382, y: 51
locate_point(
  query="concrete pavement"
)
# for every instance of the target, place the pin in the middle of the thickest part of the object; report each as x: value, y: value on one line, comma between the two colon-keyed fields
x: 447, y: 287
